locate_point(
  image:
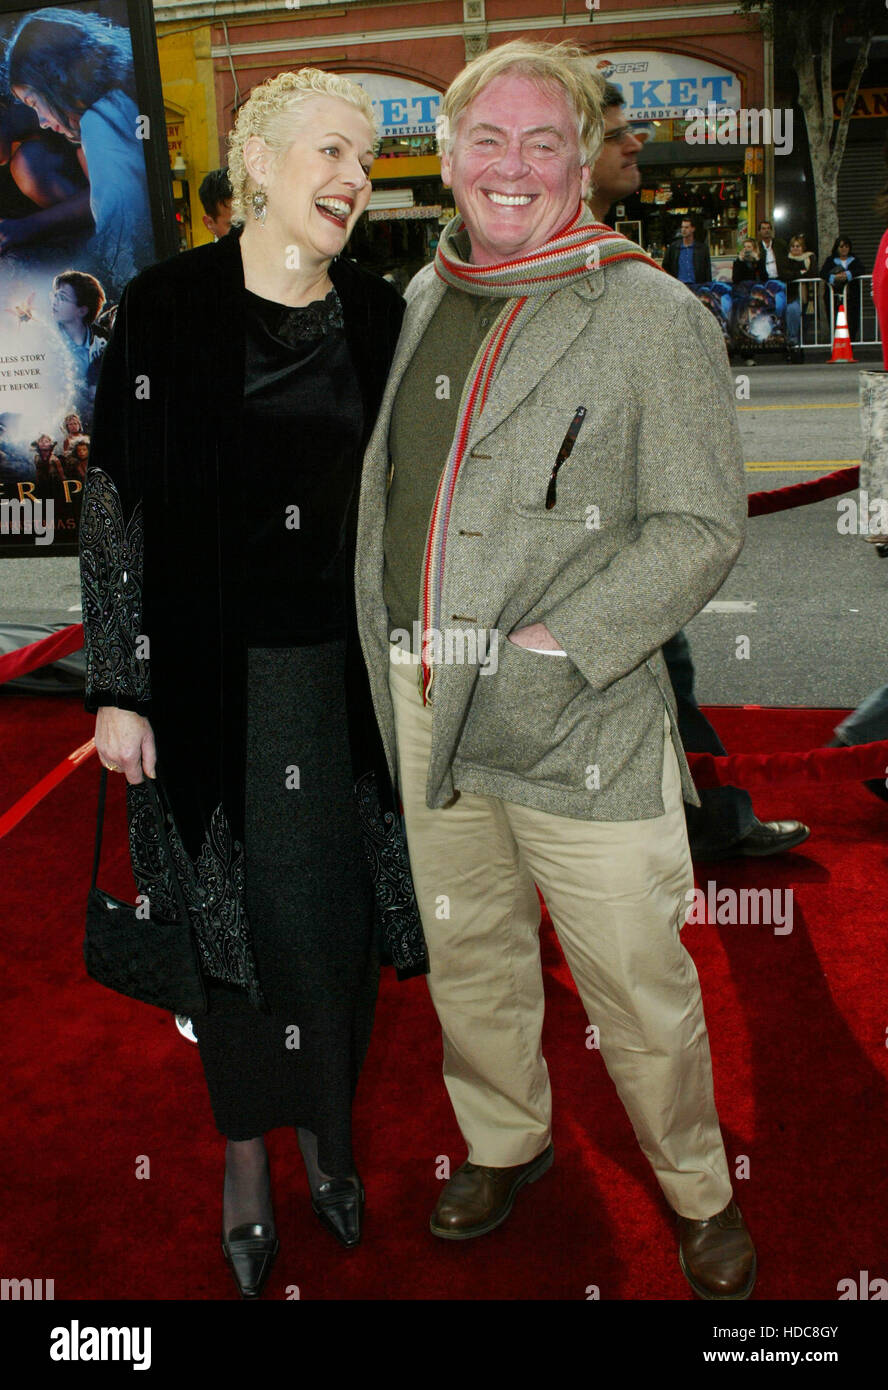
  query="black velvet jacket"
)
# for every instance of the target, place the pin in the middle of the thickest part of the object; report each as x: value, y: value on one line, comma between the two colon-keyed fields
x: 162, y: 566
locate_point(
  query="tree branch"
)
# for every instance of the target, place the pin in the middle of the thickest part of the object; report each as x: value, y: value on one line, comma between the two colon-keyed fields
x: 827, y: 21
x: 809, y: 98
x: 841, y: 132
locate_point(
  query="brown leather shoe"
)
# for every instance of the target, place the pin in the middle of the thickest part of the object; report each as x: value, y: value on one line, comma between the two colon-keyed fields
x: 477, y: 1200
x: 717, y: 1256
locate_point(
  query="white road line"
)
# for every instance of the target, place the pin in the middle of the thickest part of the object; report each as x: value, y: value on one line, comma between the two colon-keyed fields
x: 731, y: 605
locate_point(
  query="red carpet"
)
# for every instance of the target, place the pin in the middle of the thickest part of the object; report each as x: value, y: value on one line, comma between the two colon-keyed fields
x: 96, y: 1085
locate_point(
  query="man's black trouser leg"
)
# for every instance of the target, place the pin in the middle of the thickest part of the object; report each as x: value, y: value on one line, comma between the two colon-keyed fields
x: 725, y: 813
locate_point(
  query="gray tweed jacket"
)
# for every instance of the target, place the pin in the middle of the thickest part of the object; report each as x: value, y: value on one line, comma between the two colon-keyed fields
x: 649, y: 518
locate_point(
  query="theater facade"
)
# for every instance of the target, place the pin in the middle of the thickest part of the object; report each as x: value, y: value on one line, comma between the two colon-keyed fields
x: 666, y: 58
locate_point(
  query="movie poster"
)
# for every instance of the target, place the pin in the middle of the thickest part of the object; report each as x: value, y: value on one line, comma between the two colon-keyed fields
x: 718, y: 297
x: 751, y: 315
x: 84, y: 205
x: 760, y: 315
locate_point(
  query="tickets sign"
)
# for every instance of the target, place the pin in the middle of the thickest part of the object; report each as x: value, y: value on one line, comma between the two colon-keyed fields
x: 662, y: 86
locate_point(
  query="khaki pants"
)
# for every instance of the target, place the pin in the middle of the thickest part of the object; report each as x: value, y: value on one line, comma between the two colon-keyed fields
x: 616, y: 896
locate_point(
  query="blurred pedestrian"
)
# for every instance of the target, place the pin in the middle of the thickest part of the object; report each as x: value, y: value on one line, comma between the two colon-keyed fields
x: 215, y: 195
x: 616, y: 174
x: 724, y: 825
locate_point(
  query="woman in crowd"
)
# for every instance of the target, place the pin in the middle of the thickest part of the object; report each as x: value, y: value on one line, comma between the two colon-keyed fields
x: 802, y: 262
x: 76, y: 72
x: 225, y: 493
x: 747, y: 266
x: 840, y: 269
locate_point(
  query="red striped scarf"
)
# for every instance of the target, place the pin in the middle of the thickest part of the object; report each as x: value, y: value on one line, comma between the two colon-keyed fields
x: 582, y: 247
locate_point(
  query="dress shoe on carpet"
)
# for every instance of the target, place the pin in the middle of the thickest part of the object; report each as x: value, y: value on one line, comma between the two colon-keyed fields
x: 339, y: 1205
x: 250, y: 1251
x: 477, y: 1200
x: 717, y: 1256
x: 762, y: 839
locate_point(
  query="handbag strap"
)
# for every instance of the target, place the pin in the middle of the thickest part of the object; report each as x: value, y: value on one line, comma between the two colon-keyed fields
x: 155, y: 798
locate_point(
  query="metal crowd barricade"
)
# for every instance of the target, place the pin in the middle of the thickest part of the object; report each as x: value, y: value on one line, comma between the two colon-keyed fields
x: 859, y: 307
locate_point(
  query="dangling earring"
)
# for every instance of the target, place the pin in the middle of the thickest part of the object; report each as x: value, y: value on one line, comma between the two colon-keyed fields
x: 259, y: 202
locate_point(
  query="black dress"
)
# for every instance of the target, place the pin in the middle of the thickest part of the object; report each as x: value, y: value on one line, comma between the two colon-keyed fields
x: 308, y: 889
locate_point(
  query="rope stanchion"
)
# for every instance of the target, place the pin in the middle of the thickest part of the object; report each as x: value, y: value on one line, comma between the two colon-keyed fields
x: 781, y: 499
x: 52, y: 648
x: 26, y: 803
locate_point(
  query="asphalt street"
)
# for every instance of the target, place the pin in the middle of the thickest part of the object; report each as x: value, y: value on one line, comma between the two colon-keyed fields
x: 817, y: 620
x: 812, y: 602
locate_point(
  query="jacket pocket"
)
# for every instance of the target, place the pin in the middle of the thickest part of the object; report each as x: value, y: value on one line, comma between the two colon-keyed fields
x: 538, y: 718
x: 589, y: 484
x: 524, y: 712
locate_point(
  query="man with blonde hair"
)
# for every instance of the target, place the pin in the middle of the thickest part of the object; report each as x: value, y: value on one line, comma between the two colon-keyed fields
x: 543, y: 483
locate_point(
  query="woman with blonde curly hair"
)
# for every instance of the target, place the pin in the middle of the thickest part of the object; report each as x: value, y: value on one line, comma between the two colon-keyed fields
x: 239, y: 388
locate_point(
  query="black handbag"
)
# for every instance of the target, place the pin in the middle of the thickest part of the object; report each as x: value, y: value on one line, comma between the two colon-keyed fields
x: 137, y: 955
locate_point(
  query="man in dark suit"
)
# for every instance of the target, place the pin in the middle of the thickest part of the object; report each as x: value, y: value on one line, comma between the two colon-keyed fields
x: 774, y: 254
x: 724, y: 825
x: 687, y: 258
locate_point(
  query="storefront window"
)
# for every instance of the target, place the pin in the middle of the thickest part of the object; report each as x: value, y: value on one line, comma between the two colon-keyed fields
x: 401, y: 146
x: 713, y: 195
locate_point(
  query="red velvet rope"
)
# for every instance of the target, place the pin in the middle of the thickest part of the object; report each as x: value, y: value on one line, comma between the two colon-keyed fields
x: 51, y: 648
x: 780, y: 499
x: 32, y: 798
x: 859, y: 763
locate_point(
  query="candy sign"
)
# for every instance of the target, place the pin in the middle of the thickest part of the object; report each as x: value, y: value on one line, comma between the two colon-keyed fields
x: 662, y: 86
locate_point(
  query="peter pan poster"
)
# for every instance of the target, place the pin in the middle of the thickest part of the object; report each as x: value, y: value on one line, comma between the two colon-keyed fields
x: 83, y: 208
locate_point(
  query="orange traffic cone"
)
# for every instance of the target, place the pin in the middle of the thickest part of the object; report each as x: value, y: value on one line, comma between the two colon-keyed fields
x: 842, y: 338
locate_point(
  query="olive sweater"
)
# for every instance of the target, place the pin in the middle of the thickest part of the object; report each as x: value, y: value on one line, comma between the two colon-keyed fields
x: 423, y: 424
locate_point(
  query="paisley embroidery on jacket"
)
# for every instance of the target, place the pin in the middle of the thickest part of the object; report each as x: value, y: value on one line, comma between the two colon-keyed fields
x: 390, y: 867
x: 212, y: 887
x: 111, y: 578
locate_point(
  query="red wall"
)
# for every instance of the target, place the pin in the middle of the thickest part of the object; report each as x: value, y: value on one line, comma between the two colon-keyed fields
x: 732, y: 41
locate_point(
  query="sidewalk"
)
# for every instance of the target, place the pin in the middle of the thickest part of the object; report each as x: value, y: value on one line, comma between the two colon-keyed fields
x: 39, y: 589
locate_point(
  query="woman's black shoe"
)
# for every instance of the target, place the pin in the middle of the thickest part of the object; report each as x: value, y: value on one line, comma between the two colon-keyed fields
x: 250, y: 1251
x: 339, y: 1203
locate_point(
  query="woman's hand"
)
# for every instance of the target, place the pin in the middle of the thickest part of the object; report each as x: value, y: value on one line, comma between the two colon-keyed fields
x: 125, y: 743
